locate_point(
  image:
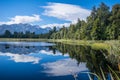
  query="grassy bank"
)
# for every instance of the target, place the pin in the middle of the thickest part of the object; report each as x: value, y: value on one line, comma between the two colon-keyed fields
x: 96, y: 44
x: 22, y: 39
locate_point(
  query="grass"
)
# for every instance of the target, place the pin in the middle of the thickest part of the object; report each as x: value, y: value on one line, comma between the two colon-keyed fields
x: 100, y: 46
x: 22, y: 39
x: 113, y: 75
x: 95, y: 44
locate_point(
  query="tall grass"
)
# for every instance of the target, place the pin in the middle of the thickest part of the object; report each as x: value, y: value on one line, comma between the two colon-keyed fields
x: 112, y: 75
x: 114, y: 59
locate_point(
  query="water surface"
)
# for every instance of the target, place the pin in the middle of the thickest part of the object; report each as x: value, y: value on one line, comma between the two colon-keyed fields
x: 47, y: 61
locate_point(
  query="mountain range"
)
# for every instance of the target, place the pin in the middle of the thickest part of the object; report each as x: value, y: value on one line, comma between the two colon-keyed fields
x: 23, y: 28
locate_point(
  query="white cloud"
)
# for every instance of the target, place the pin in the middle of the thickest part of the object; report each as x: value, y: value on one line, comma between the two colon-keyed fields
x: 66, y: 12
x: 21, y: 58
x: 22, y: 19
x: 55, y: 24
x: 63, y: 67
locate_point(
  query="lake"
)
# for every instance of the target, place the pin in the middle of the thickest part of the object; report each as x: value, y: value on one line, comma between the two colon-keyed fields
x: 49, y: 61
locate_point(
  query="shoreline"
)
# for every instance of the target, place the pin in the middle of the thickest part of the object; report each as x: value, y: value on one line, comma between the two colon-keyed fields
x: 100, y: 44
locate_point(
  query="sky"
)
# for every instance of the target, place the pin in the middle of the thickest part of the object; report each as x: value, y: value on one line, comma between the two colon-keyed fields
x: 47, y: 13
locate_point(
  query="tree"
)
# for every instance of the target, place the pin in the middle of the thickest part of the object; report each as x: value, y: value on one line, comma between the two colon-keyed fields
x: 116, y: 20
x: 90, y: 21
x: 54, y: 29
x: 102, y: 24
x: 96, y: 30
x: 103, y: 14
x: 7, y: 34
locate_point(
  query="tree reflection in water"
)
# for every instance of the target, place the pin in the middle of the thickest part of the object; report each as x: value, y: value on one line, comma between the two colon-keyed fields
x: 95, y: 59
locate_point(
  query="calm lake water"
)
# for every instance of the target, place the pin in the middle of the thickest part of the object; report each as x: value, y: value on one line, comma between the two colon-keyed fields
x: 48, y: 61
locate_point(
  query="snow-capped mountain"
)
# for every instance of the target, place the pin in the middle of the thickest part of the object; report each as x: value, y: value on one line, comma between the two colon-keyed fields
x: 23, y: 28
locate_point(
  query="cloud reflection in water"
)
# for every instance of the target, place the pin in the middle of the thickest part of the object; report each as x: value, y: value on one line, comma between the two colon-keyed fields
x: 63, y: 67
x: 21, y: 58
x: 51, y: 53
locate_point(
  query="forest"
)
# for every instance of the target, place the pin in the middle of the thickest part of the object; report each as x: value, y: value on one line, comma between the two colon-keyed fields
x: 102, y: 24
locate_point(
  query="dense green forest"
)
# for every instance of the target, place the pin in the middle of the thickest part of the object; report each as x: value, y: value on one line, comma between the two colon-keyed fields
x: 102, y: 24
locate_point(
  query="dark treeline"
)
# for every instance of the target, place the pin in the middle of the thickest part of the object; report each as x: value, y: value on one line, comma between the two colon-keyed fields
x: 27, y: 34
x: 102, y: 24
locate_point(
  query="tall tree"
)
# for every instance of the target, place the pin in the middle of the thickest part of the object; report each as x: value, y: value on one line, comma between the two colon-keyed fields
x: 101, y: 22
x: 116, y: 20
x: 7, y: 34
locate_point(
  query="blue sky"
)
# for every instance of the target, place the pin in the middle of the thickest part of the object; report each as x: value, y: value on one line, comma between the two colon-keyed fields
x: 47, y: 13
